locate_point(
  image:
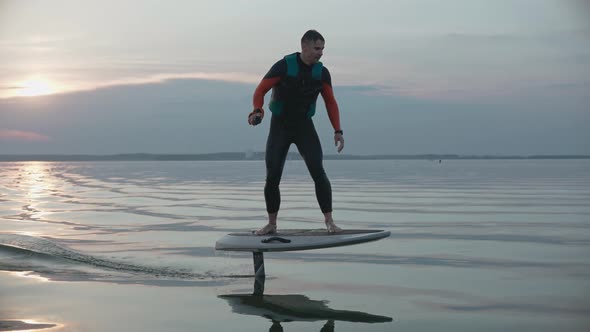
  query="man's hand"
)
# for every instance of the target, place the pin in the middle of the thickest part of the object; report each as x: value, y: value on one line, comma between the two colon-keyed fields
x: 339, y: 141
x: 255, y: 117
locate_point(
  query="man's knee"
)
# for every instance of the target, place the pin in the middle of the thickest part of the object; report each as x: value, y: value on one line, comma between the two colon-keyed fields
x: 273, y: 178
x: 318, y: 174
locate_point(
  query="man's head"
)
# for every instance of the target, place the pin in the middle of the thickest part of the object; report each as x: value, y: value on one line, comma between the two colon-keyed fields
x: 312, y: 47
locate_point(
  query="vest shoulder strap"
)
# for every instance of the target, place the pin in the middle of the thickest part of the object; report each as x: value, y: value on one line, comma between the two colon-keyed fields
x: 316, y: 71
x: 292, y: 65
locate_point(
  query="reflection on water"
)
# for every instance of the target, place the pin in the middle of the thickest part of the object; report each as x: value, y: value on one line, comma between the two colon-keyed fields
x: 289, y: 308
x: 502, y: 239
x: 26, y: 325
x: 35, y: 179
x: 294, y: 307
x: 30, y: 186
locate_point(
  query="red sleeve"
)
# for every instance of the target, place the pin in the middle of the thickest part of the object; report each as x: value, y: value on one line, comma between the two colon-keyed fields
x: 331, y: 105
x: 263, y: 87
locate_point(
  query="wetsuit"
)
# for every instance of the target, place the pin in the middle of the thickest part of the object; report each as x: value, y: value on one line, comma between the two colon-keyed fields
x: 296, y: 87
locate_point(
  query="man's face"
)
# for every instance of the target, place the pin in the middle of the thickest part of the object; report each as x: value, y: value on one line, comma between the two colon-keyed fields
x: 311, y: 51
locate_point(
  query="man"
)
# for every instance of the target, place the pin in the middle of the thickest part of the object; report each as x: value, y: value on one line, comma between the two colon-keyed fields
x: 297, y: 80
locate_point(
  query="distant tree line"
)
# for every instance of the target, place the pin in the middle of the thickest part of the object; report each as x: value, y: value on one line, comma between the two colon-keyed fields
x: 260, y: 156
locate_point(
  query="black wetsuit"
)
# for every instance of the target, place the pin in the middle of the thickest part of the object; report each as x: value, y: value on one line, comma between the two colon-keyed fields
x: 294, y: 125
x: 303, y: 134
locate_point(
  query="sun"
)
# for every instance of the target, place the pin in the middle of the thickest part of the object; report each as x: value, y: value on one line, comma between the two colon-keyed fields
x: 35, y: 87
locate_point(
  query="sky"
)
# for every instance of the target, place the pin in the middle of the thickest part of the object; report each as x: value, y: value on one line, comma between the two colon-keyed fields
x: 479, y: 77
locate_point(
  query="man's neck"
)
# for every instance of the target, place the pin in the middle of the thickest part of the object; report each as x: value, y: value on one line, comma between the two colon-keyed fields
x: 303, y: 60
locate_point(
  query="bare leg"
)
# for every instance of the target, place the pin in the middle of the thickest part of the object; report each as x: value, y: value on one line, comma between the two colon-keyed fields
x: 271, y: 227
x: 272, y: 218
x: 330, y: 226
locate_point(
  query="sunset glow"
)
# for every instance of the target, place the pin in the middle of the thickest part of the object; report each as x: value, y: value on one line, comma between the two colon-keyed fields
x: 35, y: 87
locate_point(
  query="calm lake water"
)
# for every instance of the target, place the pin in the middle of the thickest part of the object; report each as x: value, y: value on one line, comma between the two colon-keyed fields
x: 476, y: 245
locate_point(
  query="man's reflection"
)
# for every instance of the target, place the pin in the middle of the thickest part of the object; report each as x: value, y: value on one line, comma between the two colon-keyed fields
x: 288, y: 308
x: 328, y: 327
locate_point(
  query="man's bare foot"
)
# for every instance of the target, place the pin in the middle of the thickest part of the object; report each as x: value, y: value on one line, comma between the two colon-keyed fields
x: 331, y: 227
x: 268, y: 229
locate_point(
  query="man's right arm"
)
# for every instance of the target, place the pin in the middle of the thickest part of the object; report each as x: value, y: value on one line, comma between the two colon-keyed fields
x: 271, y: 78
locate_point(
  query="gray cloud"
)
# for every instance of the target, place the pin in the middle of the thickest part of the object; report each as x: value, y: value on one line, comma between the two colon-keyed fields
x: 202, y: 116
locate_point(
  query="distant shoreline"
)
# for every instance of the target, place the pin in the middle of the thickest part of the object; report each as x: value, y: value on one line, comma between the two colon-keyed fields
x: 241, y: 156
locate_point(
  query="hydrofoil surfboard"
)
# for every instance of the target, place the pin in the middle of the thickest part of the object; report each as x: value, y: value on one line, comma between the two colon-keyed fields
x: 297, y: 239
x: 291, y: 240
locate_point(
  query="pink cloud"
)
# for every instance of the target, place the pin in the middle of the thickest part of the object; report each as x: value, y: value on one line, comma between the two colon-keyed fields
x: 20, y: 135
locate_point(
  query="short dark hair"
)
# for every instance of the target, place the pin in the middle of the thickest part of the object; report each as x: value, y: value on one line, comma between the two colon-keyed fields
x: 312, y: 35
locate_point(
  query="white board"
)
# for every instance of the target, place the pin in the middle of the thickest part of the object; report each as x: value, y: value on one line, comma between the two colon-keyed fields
x: 296, y: 239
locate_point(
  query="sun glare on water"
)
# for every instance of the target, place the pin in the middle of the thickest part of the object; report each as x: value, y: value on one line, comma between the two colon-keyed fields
x: 35, y: 87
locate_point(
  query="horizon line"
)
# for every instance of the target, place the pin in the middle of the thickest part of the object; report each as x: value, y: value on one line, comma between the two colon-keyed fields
x: 251, y: 155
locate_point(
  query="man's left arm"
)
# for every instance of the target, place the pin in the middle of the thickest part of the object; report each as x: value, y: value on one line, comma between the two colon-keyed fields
x: 332, y: 108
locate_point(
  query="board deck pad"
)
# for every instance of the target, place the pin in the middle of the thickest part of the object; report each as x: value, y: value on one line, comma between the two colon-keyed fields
x: 297, y: 239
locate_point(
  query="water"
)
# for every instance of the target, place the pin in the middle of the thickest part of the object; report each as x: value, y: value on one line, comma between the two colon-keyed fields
x: 486, y: 245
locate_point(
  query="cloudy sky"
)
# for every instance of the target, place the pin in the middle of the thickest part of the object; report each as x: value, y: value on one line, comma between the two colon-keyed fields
x: 413, y: 76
